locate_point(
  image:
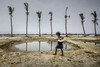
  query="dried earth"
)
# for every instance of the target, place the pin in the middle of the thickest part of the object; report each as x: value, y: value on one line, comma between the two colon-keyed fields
x: 85, y: 56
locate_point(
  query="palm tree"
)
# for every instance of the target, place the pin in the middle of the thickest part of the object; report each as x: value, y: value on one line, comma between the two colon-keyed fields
x: 39, y: 16
x: 95, y: 21
x: 66, y: 16
x: 11, y: 10
x: 27, y: 13
x: 82, y: 22
x: 51, y: 23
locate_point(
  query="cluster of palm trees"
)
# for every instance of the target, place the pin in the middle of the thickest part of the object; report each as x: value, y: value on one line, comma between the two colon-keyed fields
x: 94, y: 21
x: 39, y: 13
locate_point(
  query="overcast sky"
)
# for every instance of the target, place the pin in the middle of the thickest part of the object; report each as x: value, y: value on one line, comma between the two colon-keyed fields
x: 57, y: 7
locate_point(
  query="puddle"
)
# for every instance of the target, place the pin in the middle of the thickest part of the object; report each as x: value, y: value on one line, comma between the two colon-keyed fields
x: 93, y: 43
x: 97, y: 43
x: 36, y: 46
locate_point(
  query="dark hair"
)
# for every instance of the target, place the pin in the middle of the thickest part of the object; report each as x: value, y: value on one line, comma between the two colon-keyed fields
x: 58, y: 33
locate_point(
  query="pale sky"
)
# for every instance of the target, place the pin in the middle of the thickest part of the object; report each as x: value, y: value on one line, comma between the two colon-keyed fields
x: 75, y: 7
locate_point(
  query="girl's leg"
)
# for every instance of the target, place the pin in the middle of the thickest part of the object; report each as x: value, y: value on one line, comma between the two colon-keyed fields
x: 62, y: 52
x: 55, y: 51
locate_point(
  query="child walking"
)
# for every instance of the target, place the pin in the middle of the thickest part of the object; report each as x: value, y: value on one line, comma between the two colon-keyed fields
x: 59, y: 44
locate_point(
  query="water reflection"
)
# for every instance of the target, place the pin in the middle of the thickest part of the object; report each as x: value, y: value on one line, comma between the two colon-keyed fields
x: 92, y: 43
x: 35, y: 46
x: 26, y: 46
x: 51, y: 45
x: 39, y: 45
x: 66, y: 46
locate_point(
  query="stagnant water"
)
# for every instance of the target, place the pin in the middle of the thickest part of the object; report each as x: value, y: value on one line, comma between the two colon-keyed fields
x: 37, y: 46
x: 92, y: 43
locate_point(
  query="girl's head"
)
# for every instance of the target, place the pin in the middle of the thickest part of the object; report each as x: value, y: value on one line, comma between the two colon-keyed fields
x: 58, y: 33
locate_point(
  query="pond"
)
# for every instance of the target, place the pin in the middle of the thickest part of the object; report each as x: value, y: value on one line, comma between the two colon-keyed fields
x: 37, y: 46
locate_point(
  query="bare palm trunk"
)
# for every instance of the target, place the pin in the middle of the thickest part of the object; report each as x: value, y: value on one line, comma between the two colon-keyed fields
x: 83, y: 29
x: 51, y: 28
x: 51, y: 22
x: 11, y: 26
x: 95, y: 28
x: 26, y: 25
x: 39, y: 29
x: 27, y: 13
x: 66, y: 26
x: 10, y: 13
x: 39, y: 16
x: 66, y: 16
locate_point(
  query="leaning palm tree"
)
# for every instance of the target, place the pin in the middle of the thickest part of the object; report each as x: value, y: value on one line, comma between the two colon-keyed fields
x: 82, y: 22
x: 39, y: 16
x: 51, y: 23
x: 27, y: 13
x: 95, y: 21
x: 11, y: 10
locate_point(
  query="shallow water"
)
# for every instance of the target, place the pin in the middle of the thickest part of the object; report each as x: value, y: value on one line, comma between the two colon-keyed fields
x: 37, y: 46
x: 93, y: 43
x: 90, y: 42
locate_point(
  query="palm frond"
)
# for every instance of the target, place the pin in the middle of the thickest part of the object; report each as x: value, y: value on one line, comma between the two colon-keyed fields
x: 26, y: 6
x: 11, y: 9
x: 95, y: 14
x: 97, y: 23
x: 95, y: 17
x: 81, y: 16
x: 92, y: 14
x: 50, y: 12
x: 39, y: 13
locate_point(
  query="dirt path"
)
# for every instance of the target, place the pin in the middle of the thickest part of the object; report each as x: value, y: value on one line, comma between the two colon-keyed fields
x: 73, y: 58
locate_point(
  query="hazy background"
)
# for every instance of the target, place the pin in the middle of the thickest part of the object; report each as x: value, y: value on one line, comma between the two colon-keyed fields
x: 58, y: 9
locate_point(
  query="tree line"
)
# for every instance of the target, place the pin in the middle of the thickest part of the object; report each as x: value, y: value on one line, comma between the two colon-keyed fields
x: 39, y: 13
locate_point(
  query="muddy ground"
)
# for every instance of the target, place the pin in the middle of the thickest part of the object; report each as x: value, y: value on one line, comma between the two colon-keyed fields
x: 85, y: 56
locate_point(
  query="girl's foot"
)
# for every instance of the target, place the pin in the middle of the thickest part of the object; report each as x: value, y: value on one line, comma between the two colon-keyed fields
x: 61, y: 55
x: 54, y: 54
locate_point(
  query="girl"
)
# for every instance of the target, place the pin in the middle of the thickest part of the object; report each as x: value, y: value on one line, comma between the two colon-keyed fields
x: 59, y: 44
